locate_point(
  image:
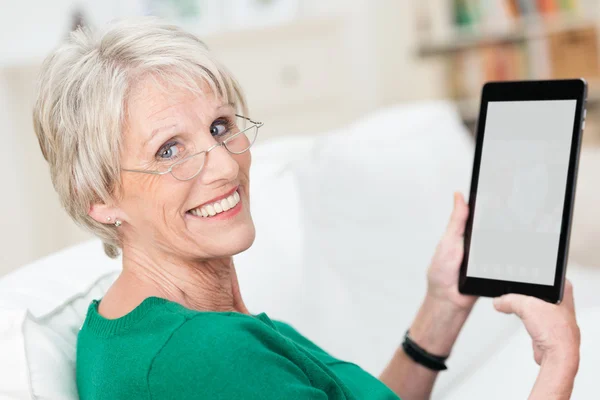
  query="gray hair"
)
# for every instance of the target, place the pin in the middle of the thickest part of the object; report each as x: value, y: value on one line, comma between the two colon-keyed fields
x: 81, y: 105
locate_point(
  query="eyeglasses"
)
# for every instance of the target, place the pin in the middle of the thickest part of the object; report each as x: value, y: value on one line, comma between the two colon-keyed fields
x: 189, y: 167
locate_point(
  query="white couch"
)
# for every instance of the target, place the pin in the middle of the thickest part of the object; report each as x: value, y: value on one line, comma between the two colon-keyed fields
x: 346, y: 225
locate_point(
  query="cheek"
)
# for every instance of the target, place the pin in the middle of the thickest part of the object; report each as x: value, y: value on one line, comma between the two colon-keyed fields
x: 153, y: 200
x: 244, y: 160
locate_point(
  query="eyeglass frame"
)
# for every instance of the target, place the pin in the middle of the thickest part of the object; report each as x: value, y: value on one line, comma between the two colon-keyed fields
x: 255, y: 124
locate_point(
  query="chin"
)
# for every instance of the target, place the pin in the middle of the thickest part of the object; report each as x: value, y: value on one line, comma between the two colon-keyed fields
x: 234, y: 242
x: 243, y: 243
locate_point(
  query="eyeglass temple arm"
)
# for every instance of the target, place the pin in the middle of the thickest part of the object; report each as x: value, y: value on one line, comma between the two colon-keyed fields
x: 146, y: 172
x: 248, y: 119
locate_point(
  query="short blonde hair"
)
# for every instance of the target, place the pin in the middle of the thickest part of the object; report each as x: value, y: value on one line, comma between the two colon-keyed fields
x: 81, y: 105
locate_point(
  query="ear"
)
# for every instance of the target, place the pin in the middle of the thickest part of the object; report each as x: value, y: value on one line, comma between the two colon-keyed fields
x: 102, y: 212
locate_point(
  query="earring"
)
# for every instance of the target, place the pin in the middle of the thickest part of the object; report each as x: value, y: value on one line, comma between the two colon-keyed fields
x: 108, y: 219
x: 117, y: 223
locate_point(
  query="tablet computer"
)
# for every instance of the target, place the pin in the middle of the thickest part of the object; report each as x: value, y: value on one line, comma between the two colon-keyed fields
x: 523, y: 188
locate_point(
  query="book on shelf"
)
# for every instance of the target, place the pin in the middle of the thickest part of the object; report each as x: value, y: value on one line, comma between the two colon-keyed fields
x: 549, y: 54
x: 483, y: 12
x: 569, y: 54
x: 574, y: 53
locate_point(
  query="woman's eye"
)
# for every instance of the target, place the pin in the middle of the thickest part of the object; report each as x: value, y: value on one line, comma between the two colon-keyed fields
x: 219, y: 129
x: 168, y: 152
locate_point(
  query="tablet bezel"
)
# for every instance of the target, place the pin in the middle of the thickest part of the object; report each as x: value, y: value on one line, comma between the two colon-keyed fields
x: 575, y: 89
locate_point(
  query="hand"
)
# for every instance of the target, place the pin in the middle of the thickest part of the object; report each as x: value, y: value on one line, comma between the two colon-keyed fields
x: 443, y: 272
x: 553, y: 328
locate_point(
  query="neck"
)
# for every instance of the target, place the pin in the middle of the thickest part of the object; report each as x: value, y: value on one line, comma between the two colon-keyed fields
x: 206, y: 285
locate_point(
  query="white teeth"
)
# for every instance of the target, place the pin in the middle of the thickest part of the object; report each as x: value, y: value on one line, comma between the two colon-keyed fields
x: 225, y: 205
x: 211, y: 210
x: 217, y: 207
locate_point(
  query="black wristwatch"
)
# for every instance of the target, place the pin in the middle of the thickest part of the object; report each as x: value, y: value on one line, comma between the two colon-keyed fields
x: 422, y: 357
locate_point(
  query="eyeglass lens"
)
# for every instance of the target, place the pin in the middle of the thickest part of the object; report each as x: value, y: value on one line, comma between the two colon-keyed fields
x: 236, y: 144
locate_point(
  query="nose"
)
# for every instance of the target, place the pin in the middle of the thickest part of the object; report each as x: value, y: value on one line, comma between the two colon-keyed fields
x: 220, y: 165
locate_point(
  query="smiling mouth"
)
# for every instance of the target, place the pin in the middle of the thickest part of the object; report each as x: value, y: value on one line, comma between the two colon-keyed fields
x: 217, y: 207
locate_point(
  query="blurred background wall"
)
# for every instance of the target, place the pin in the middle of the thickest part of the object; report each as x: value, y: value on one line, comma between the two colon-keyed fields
x: 307, y: 66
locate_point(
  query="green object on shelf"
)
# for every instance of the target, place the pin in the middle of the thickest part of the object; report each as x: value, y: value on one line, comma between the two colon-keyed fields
x: 466, y: 12
x: 461, y: 13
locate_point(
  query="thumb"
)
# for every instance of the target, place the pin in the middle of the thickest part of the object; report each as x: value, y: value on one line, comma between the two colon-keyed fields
x: 458, y: 218
x: 510, y: 304
x: 568, y: 300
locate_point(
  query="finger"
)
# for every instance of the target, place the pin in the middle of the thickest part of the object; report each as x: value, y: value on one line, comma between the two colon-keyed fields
x: 458, y: 218
x: 511, y: 304
x: 568, y: 297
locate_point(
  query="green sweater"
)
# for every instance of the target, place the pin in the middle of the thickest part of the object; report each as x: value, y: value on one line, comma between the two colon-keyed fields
x: 162, y: 350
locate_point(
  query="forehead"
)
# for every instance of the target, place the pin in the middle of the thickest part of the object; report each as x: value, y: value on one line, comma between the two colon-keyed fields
x: 152, y: 100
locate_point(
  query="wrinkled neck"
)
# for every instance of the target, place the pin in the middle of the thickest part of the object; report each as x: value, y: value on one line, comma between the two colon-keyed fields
x: 207, y: 285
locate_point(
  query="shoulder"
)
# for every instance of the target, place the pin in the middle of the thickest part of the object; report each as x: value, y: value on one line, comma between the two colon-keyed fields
x: 204, y: 329
x: 291, y: 332
x: 213, y: 338
x: 222, y: 355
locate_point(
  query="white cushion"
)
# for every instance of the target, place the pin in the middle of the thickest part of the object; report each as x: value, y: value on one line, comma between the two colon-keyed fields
x: 376, y: 199
x: 14, y: 376
x: 42, y: 307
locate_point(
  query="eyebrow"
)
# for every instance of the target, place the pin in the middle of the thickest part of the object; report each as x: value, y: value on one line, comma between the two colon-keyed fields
x: 158, y: 130
x: 176, y: 126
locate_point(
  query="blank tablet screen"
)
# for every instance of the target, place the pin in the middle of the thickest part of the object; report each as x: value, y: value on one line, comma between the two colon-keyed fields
x: 521, y: 190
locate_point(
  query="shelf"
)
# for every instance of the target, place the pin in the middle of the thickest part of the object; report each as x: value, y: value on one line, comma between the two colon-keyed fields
x: 469, y: 108
x: 520, y: 31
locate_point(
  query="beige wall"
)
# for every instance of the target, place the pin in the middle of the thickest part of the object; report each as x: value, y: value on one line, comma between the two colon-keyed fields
x: 33, y: 223
x: 402, y: 75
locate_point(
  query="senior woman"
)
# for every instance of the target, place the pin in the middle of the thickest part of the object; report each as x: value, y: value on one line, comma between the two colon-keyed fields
x: 148, y: 143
